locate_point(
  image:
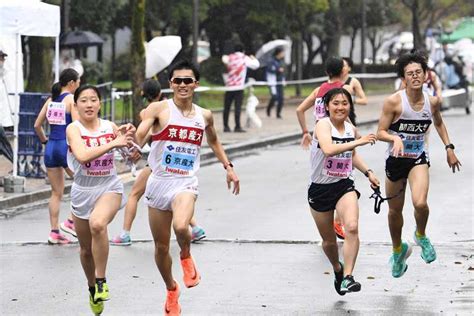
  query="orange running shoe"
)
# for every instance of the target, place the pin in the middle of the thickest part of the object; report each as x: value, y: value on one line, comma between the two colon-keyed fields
x: 339, y: 230
x: 191, y: 276
x: 172, y: 307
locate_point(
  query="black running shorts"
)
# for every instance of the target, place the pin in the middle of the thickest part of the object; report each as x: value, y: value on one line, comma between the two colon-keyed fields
x: 324, y: 197
x: 399, y: 168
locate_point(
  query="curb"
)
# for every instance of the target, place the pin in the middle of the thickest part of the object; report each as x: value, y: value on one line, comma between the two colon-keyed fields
x: 18, y: 204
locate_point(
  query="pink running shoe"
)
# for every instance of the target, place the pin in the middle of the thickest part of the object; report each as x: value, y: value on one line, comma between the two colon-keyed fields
x: 68, y: 227
x: 57, y: 238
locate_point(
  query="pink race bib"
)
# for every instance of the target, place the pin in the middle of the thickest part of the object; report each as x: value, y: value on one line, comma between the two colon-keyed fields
x: 56, y: 113
x: 99, y: 167
x: 319, y: 109
x: 337, y: 167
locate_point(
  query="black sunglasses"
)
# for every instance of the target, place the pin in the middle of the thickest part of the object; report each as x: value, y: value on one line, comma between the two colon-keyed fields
x: 185, y: 80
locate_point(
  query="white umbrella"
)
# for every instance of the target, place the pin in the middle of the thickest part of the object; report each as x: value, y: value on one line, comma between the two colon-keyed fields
x: 265, y: 53
x: 160, y: 52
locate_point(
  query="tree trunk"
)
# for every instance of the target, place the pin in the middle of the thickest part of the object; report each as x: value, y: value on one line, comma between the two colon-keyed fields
x: 299, y: 62
x: 353, y: 37
x: 40, y: 75
x: 334, y: 35
x: 137, y: 56
x: 418, y: 42
x: 112, y: 60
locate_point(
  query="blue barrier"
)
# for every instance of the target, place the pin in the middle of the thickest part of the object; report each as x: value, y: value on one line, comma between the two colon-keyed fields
x: 30, y: 149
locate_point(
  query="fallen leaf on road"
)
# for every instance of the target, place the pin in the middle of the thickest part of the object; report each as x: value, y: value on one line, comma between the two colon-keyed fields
x: 385, y: 290
x: 135, y: 276
x: 370, y: 278
x: 457, y: 262
x: 327, y: 272
x: 470, y: 268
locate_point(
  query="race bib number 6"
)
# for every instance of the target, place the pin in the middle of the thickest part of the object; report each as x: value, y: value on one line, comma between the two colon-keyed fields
x: 177, y: 161
x: 100, y: 167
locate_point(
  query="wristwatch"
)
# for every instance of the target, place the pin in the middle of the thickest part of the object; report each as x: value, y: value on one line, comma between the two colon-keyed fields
x: 449, y: 146
x: 366, y: 173
x: 228, y: 164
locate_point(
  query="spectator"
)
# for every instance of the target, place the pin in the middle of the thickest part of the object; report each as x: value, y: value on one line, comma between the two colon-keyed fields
x: 275, y: 75
x: 237, y: 64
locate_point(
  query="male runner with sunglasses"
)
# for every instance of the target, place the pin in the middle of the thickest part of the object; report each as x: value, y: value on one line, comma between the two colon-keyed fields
x: 177, y: 127
x: 405, y: 121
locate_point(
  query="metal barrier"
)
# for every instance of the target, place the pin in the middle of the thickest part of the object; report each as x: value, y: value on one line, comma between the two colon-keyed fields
x: 30, y: 149
x: 116, y: 106
x: 106, y: 109
x: 122, y: 111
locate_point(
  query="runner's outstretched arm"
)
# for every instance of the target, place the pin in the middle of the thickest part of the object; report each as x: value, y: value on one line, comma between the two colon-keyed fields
x: 438, y: 122
x: 323, y: 134
x: 218, y: 150
x: 300, y: 113
x: 148, y: 116
x: 387, y: 117
x: 360, y: 165
x: 360, y: 98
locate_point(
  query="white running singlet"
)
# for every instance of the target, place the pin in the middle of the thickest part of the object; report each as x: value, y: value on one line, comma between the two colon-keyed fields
x: 335, y: 168
x: 100, y: 170
x: 175, y: 149
x: 412, y: 127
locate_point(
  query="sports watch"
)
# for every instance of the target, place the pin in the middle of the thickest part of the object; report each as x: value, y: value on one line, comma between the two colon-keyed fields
x: 449, y: 146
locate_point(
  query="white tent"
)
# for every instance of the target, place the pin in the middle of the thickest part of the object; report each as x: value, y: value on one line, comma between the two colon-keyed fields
x: 28, y: 18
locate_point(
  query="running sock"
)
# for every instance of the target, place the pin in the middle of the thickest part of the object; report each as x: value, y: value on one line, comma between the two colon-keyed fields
x: 419, y: 235
x: 124, y: 233
x: 55, y: 231
x: 92, y: 290
x: 100, y: 280
x: 398, y: 249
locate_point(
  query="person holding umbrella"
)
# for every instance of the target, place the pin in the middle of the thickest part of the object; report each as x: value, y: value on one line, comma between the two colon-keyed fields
x: 237, y: 64
x: 275, y: 74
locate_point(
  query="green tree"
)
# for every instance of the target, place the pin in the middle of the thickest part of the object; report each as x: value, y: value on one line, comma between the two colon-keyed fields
x: 300, y: 17
x: 352, y: 20
x: 173, y: 17
x: 93, y: 15
x: 137, y: 72
x: 381, y: 14
x: 426, y: 14
x: 40, y: 75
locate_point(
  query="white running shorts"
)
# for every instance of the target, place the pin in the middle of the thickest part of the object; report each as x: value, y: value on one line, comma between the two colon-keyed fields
x: 83, y: 199
x: 160, y: 192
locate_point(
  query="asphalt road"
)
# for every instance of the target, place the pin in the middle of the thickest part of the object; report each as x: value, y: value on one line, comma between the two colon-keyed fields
x: 262, y: 255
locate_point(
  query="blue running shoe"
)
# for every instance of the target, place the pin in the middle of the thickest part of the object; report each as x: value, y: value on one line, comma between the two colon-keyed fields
x: 398, y: 260
x: 428, y: 253
x: 197, y: 234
